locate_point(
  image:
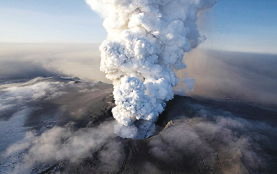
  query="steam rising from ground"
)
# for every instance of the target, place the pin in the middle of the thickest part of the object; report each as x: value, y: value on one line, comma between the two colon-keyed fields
x: 212, y: 140
x: 194, y: 137
x: 59, y: 144
x: 17, y: 95
x: 146, y: 42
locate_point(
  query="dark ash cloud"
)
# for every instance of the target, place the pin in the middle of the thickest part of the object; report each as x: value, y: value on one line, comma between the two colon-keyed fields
x: 247, y: 77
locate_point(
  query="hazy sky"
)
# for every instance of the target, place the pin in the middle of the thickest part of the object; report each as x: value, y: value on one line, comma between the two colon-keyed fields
x: 241, y: 25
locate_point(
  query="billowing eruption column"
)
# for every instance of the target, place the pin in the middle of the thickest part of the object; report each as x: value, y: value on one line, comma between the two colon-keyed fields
x: 146, y: 42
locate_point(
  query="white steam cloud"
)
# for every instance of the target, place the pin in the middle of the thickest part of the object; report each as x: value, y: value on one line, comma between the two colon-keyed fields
x: 146, y: 43
x: 58, y: 144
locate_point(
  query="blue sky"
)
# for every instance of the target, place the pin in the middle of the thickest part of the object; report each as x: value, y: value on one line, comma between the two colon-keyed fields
x: 237, y: 25
x: 243, y: 25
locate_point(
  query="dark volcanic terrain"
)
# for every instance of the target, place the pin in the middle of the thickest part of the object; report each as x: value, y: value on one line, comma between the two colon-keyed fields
x: 194, y: 136
x: 72, y: 132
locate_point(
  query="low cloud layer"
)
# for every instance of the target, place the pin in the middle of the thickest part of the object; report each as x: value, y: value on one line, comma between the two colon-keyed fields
x: 202, y: 138
x: 247, y: 77
x: 219, y: 144
x: 32, y: 60
x: 59, y: 144
x: 16, y: 96
x: 214, y: 73
x: 208, y: 140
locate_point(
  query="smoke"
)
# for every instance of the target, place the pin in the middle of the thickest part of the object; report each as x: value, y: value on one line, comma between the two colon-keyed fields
x: 146, y: 42
x: 60, y: 143
x: 15, y: 96
x: 212, y: 143
x: 218, y: 73
x: 210, y: 140
x: 195, y: 136
x: 27, y: 61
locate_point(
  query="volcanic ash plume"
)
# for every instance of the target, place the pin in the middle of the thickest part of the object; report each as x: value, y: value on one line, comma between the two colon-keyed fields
x: 146, y: 42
